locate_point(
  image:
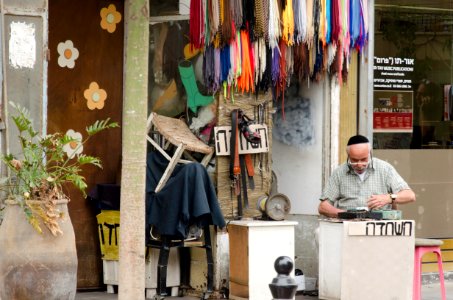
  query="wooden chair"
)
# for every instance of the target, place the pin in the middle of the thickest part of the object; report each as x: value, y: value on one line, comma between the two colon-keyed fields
x: 175, y: 132
x: 163, y: 131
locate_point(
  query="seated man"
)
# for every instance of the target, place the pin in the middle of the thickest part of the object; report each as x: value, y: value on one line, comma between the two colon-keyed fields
x: 363, y: 181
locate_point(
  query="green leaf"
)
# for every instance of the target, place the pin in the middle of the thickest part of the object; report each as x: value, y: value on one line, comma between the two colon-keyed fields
x: 100, y: 125
x: 86, y: 159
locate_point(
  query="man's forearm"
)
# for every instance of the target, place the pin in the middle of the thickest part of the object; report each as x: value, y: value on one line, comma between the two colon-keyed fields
x: 405, y: 196
x: 328, y: 210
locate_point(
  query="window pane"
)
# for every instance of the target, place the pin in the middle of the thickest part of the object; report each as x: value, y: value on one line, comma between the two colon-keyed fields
x: 413, y: 99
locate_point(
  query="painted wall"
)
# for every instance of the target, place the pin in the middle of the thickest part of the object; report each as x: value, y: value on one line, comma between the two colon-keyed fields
x: 298, y: 165
x: 297, y: 162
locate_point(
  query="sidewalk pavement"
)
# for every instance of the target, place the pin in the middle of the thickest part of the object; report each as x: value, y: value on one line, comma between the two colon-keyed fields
x: 429, y: 292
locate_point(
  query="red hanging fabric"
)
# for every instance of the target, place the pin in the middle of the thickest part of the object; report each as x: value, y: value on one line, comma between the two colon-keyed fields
x: 196, y: 24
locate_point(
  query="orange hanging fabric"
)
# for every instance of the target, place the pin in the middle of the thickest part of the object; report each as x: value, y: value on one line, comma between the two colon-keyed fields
x: 245, y: 81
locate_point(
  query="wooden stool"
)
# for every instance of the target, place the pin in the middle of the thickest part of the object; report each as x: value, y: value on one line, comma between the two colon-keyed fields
x: 423, y: 246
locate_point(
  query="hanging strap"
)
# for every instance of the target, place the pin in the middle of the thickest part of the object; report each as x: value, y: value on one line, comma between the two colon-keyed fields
x: 235, y: 168
x: 244, y: 180
x: 250, y: 170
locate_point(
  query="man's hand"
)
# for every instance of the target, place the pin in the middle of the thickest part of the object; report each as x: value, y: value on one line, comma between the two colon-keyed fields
x: 378, y: 201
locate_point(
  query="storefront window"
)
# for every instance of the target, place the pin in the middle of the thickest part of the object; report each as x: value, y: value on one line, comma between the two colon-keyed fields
x: 413, y: 96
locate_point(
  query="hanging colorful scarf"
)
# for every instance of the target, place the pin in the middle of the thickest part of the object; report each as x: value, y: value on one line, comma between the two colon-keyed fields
x: 322, y: 21
x: 316, y: 19
x: 336, y: 21
x: 300, y: 20
x: 196, y: 26
x: 207, y: 31
x: 259, y: 48
x: 328, y: 21
x: 331, y: 53
x: 216, y: 83
x: 282, y: 82
x: 314, y: 49
x: 211, y: 68
x: 345, y: 27
x: 363, y: 25
x: 289, y: 61
x: 225, y: 63
x: 275, y: 72
x: 317, y: 68
x: 354, y: 26
x: 236, y: 12
x: 266, y: 18
x: 248, y: 17
x: 274, y: 24
x: 310, y: 24
x: 214, y: 18
x: 364, y: 10
x: 227, y: 23
x: 208, y: 67
x: 238, y: 55
x: 245, y: 81
x: 288, y: 23
x: 301, y: 65
x: 259, y: 16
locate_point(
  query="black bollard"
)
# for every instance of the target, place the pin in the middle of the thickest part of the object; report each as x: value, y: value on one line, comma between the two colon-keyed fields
x: 283, y: 286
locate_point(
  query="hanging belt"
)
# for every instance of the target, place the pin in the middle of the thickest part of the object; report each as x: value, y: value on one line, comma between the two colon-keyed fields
x: 241, y: 166
x: 235, y: 168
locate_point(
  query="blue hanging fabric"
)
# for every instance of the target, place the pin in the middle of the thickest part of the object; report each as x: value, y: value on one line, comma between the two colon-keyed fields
x: 354, y: 26
x: 225, y: 63
x: 328, y: 21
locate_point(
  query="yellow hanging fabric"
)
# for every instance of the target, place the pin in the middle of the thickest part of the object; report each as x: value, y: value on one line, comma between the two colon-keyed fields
x: 310, y: 26
x: 322, y: 22
x: 288, y: 23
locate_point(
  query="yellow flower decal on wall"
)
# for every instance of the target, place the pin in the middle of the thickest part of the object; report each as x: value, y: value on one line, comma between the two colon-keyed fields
x: 95, y: 96
x: 109, y: 18
x: 67, y: 54
x: 74, y: 148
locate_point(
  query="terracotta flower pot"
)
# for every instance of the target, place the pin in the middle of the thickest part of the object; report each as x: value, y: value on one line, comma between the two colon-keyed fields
x: 36, y: 266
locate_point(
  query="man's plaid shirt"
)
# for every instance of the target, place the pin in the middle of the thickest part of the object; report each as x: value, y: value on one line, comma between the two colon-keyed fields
x: 345, y: 190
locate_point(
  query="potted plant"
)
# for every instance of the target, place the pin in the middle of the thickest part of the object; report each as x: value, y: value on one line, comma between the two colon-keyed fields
x: 38, y: 258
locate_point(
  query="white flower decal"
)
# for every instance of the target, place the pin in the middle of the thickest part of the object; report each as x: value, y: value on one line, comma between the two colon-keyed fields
x: 67, y: 54
x: 75, y: 147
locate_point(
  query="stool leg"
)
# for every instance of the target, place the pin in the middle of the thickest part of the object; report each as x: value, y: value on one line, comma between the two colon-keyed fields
x: 209, y: 259
x: 417, y: 289
x: 441, y: 274
x: 164, y: 252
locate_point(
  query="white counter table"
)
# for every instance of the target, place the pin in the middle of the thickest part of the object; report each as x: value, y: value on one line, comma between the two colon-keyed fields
x: 372, y: 260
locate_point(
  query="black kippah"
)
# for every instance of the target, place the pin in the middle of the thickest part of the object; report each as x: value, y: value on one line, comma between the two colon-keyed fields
x: 357, y: 139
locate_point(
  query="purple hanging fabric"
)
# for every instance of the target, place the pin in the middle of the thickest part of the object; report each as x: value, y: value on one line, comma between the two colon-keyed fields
x: 208, y: 67
x: 275, y: 66
x: 361, y: 40
x: 216, y: 83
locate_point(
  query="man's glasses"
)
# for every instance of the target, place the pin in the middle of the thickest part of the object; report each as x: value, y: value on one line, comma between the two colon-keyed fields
x: 359, y: 162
